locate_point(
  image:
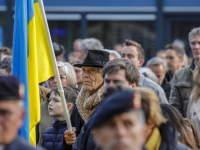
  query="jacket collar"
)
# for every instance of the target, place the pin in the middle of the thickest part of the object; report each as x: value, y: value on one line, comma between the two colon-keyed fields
x: 141, y: 79
x: 59, y: 124
x: 169, y: 137
x: 192, y: 66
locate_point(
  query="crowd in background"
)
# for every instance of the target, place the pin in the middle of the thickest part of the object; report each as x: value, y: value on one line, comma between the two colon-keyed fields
x: 119, y: 100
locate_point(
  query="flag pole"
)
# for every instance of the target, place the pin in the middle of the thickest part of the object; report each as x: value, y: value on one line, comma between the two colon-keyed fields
x: 55, y: 68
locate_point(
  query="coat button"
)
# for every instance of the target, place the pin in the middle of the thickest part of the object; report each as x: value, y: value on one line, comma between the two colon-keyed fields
x: 194, y: 113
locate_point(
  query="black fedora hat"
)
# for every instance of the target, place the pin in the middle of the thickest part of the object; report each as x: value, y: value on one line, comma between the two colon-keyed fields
x: 95, y: 58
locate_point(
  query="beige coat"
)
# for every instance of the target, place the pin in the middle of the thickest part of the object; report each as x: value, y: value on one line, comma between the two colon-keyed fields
x: 193, y: 113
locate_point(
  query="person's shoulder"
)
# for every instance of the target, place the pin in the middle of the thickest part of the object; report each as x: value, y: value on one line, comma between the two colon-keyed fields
x: 150, y: 83
x: 20, y: 144
x: 181, y: 146
x: 183, y: 70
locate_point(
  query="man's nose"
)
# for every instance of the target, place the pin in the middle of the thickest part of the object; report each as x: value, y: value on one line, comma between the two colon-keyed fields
x: 111, y: 84
x: 126, y: 57
x: 54, y: 79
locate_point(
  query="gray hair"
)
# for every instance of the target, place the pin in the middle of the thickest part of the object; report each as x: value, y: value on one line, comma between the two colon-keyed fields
x: 113, y: 53
x: 69, y: 72
x: 91, y: 44
x: 156, y: 61
x: 178, y: 43
x: 193, y: 32
x: 149, y: 74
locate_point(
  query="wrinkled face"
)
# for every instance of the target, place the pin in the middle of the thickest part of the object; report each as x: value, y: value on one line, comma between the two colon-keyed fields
x: 195, y: 47
x: 121, y: 132
x: 92, y: 78
x: 55, y: 106
x: 173, y: 61
x: 78, y: 72
x: 131, y: 54
x: 159, y: 72
x: 11, y: 119
x: 118, y: 77
x: 63, y: 78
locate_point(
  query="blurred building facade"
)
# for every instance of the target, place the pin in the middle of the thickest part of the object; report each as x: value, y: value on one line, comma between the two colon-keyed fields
x: 153, y: 23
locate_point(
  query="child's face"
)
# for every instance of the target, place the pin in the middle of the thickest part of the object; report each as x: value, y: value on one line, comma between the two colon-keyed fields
x: 55, y: 106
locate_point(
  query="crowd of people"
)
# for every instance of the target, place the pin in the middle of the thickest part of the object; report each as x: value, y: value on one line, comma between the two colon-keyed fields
x: 115, y: 102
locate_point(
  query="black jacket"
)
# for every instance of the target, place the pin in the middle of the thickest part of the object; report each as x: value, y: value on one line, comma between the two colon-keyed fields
x: 76, y: 120
x: 20, y: 144
x: 84, y: 140
x: 166, y: 85
x: 170, y: 139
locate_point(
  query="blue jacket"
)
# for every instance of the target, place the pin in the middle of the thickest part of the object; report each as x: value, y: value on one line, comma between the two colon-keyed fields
x: 20, y: 144
x: 52, y: 137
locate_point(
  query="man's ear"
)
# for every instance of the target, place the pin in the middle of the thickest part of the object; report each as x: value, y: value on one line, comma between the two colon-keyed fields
x: 141, y: 62
x: 181, y: 59
x: 132, y: 85
x: 69, y: 106
x: 21, y: 117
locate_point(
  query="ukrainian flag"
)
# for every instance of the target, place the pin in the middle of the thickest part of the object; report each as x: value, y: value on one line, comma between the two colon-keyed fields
x: 31, y: 60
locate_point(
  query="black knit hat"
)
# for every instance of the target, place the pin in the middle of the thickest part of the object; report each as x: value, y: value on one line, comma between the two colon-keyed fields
x: 95, y: 58
x: 118, y: 102
x: 10, y: 88
x: 58, y: 49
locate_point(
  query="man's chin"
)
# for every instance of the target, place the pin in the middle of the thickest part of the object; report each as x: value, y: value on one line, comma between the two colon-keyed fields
x: 119, y: 146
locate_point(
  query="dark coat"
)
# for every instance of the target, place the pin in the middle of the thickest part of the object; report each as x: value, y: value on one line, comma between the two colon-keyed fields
x: 52, y: 137
x: 166, y: 84
x: 181, y: 87
x: 84, y: 140
x: 76, y: 120
x: 170, y: 139
x: 20, y: 144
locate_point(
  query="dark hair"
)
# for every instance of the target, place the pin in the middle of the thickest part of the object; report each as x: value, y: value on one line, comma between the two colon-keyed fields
x: 6, y: 64
x: 58, y: 48
x: 179, y: 51
x: 70, y: 94
x: 132, y: 74
x: 175, y: 120
x: 141, y: 53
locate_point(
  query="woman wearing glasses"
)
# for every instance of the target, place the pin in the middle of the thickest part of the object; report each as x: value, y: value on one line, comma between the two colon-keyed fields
x: 68, y: 78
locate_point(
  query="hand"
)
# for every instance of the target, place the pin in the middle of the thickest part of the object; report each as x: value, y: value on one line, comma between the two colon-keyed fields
x: 70, y: 136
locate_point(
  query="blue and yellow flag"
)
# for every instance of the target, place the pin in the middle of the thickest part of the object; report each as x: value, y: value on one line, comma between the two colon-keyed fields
x: 31, y: 60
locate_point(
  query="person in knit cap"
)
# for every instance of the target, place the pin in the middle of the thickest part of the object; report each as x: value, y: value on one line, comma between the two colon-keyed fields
x: 12, y: 114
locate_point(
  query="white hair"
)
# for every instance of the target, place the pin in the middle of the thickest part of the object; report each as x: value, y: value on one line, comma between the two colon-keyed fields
x: 113, y: 53
x: 69, y: 72
x: 149, y: 74
x: 156, y: 61
x: 91, y: 44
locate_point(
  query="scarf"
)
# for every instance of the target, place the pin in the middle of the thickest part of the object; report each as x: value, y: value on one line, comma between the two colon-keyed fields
x: 87, y: 103
x: 154, y: 141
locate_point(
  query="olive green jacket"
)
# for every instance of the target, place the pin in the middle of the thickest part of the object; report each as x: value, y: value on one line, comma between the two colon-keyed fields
x: 181, y: 87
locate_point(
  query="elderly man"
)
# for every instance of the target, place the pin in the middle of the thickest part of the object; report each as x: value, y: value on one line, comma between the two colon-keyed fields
x: 134, y: 52
x: 11, y: 114
x: 119, y: 122
x: 157, y: 65
x: 87, y: 101
x: 182, y: 83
